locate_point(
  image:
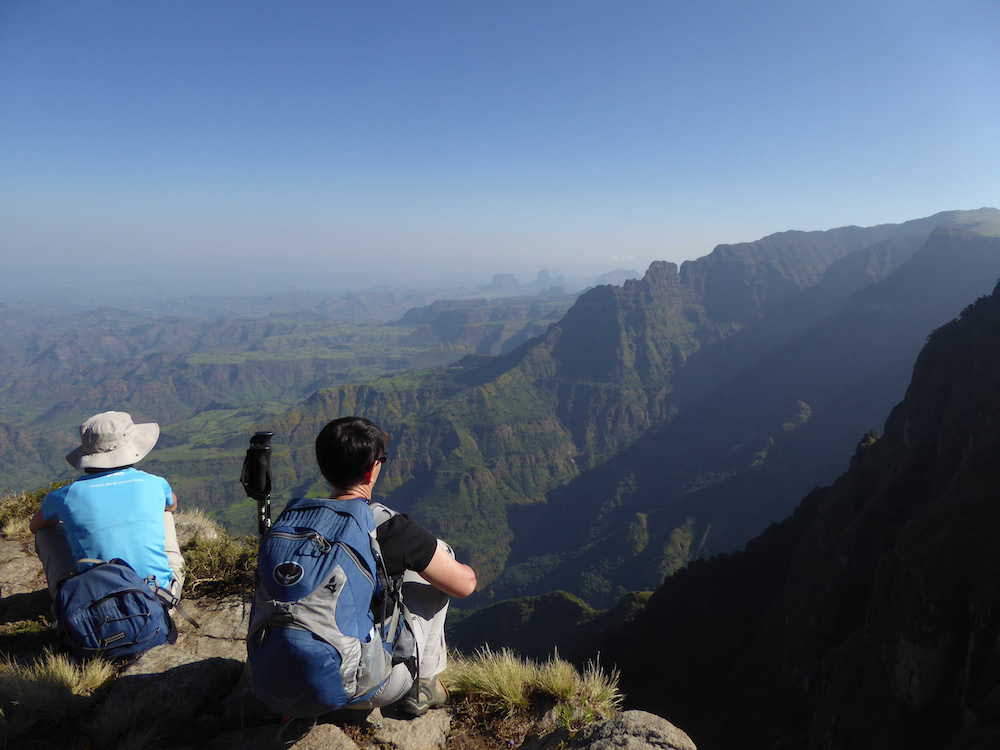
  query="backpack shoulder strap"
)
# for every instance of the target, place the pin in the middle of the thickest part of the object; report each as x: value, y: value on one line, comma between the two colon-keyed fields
x: 172, y: 602
x: 382, y: 513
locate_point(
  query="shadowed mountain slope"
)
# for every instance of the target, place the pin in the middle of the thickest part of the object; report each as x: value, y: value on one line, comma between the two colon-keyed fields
x: 742, y: 456
x: 868, y: 618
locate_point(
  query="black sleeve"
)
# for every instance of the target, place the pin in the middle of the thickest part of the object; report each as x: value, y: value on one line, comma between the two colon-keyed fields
x: 405, y: 545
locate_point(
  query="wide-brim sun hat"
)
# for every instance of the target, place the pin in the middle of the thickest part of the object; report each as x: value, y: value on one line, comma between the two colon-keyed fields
x: 111, y: 439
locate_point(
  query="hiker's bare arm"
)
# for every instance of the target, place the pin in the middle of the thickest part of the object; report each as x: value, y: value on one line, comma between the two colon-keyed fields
x: 38, y: 522
x: 447, y: 574
x: 173, y: 506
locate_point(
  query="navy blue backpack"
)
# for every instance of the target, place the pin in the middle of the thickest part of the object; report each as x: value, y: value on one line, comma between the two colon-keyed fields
x: 109, y: 611
x: 315, y: 643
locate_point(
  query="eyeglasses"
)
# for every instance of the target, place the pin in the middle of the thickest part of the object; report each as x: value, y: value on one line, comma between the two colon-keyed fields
x: 382, y: 459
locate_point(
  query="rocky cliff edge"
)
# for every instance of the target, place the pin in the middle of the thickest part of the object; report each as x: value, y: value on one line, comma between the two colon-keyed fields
x: 192, y: 695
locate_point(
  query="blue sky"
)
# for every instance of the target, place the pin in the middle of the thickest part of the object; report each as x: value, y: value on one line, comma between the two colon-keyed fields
x: 341, y: 142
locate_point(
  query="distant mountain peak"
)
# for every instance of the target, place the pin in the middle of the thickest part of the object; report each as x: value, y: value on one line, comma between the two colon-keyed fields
x: 660, y: 273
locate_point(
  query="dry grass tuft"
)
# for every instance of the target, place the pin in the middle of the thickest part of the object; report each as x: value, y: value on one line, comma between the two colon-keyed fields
x: 16, y: 510
x: 595, y: 696
x: 511, y: 687
x: 224, y: 564
x: 18, y: 529
x: 556, y: 678
x: 194, y: 524
x: 500, y: 678
x: 52, y: 685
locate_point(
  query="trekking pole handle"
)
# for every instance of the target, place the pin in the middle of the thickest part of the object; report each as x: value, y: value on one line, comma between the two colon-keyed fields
x: 256, y: 477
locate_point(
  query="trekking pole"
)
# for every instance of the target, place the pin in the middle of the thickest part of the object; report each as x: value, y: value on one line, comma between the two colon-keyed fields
x: 256, y: 477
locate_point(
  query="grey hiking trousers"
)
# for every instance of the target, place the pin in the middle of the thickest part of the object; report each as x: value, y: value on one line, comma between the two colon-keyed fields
x: 426, y: 610
x: 58, y: 562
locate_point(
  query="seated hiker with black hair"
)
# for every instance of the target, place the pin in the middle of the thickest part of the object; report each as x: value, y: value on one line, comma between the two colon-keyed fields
x: 350, y: 605
x: 112, y: 510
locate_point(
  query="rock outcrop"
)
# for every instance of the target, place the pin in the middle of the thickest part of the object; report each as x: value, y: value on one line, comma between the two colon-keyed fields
x: 429, y: 732
x: 192, y: 695
x: 632, y: 730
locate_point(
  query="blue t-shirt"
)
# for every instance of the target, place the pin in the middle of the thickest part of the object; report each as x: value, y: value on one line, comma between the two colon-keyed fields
x: 117, y: 513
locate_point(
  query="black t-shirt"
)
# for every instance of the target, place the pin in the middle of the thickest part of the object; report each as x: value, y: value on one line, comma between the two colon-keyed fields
x: 405, y: 545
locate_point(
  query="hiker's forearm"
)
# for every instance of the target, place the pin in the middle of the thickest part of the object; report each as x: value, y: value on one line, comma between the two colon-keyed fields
x: 446, y: 574
x: 39, y: 522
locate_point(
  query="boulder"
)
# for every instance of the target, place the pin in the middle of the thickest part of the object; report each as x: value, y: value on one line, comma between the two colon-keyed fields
x: 273, y: 737
x: 325, y: 737
x: 20, y: 569
x: 632, y: 730
x: 192, y: 693
x: 170, y: 689
x: 221, y: 635
x: 428, y: 732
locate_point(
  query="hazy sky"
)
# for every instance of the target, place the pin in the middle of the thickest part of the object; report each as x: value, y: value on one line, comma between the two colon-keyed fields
x: 328, y: 142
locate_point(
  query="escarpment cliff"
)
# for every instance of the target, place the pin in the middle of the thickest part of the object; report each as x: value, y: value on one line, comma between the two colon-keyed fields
x: 661, y: 420
x: 487, y: 435
x: 869, y: 618
x: 731, y: 462
x: 652, y: 423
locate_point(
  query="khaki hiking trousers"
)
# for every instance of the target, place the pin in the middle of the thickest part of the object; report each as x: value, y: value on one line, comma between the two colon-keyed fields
x: 426, y: 611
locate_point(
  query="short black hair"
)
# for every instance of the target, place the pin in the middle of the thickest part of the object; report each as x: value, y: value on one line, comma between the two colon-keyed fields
x: 347, y: 448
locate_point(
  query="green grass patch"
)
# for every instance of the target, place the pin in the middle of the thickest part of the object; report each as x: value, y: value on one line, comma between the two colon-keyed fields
x: 25, y: 639
x: 219, y: 565
x: 242, y: 358
x: 16, y: 510
x: 21, y: 627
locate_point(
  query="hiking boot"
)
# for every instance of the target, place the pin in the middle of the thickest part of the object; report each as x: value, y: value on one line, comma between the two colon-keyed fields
x: 426, y: 693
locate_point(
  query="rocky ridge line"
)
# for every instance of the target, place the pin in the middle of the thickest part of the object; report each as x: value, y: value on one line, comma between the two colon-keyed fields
x: 191, y: 694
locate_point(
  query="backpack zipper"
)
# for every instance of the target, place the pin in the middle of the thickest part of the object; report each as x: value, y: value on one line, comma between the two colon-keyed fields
x: 325, y: 546
x: 318, y: 539
x: 357, y: 561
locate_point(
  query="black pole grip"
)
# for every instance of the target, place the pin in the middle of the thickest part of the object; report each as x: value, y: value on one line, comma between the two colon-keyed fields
x: 256, y: 477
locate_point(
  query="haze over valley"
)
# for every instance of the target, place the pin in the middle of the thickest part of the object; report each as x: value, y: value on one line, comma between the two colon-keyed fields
x: 683, y: 320
x: 592, y: 444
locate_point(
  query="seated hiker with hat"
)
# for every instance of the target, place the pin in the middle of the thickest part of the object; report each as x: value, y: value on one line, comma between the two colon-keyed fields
x: 112, y: 510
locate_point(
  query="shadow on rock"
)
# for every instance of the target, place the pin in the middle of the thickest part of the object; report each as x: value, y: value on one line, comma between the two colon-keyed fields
x: 25, y: 606
x: 178, y: 705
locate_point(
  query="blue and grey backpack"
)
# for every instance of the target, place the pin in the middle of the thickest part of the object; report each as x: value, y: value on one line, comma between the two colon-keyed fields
x: 109, y: 611
x: 317, y: 641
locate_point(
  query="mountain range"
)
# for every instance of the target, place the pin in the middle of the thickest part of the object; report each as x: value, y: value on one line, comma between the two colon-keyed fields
x: 687, y: 471
x: 651, y: 424
x: 868, y: 618
x: 187, y: 372
x: 668, y: 418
